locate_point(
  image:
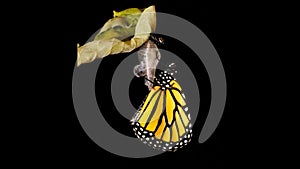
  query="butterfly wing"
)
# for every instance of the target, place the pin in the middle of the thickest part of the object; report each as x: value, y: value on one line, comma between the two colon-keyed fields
x: 162, y: 121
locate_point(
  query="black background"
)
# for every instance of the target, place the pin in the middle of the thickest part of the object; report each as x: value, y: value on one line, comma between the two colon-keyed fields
x: 55, y: 136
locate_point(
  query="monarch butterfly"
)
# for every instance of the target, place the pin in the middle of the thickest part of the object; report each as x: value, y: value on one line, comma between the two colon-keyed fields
x: 162, y: 120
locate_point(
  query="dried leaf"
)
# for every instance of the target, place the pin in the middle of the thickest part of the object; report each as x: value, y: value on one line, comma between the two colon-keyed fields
x: 128, y: 30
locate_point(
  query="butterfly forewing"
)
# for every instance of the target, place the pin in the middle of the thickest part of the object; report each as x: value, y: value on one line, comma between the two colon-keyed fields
x: 162, y: 122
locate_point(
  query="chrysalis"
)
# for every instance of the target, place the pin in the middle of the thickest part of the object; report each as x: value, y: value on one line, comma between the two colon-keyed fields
x: 149, y: 57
